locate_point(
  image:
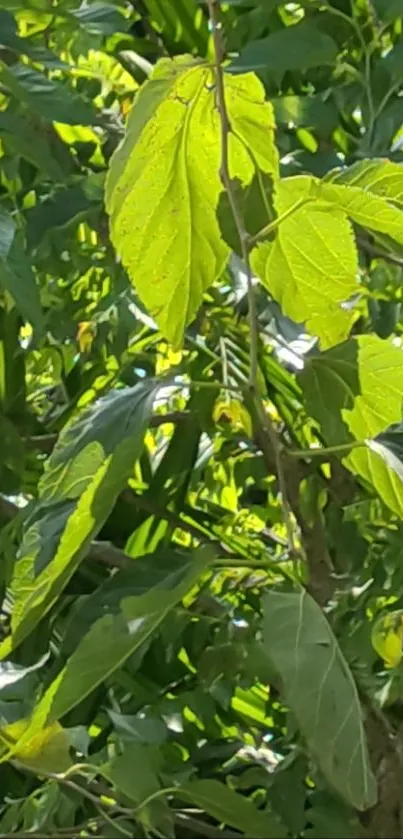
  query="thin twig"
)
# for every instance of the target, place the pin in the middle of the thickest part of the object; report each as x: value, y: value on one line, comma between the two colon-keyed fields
x: 378, y: 253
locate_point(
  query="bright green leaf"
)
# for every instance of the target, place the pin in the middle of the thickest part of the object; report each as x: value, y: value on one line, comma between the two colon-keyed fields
x: 163, y: 186
x: 311, y: 266
x: 379, y: 177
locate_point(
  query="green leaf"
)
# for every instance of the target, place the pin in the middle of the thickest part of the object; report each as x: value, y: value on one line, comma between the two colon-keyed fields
x: 388, y: 10
x: 135, y: 774
x: 306, y: 112
x: 320, y: 690
x: 11, y: 39
x: 115, y: 622
x: 225, y: 805
x: 88, y: 468
x: 21, y: 136
x: 65, y: 206
x: 163, y: 186
x: 123, y: 771
x: 101, y: 19
x: 379, y: 177
x: 311, y: 266
x: 295, y: 47
x: 366, y: 209
x: 54, y: 100
x: 138, y: 729
x: 355, y: 392
x: 16, y: 276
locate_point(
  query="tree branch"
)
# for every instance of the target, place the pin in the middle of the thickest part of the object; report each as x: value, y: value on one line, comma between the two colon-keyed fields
x: 213, y: 7
x: 263, y: 421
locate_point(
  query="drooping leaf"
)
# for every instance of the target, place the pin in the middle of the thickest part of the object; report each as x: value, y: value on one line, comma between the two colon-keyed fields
x: 355, y: 392
x: 122, y: 615
x: 292, y: 48
x: 63, y: 208
x: 163, y: 186
x: 90, y: 465
x: 227, y: 806
x: 54, y: 100
x: 320, y: 690
x: 16, y: 276
x: 135, y: 773
x: 101, y: 19
x: 21, y: 135
x: 311, y: 266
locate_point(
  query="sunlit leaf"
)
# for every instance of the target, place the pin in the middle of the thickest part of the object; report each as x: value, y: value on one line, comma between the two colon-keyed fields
x: 311, y: 266
x: 163, y: 187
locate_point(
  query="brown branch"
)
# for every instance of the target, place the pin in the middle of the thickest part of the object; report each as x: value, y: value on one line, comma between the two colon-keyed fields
x: 378, y: 253
x: 213, y: 7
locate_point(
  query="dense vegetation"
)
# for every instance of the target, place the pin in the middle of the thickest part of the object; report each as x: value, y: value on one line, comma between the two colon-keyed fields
x: 201, y: 390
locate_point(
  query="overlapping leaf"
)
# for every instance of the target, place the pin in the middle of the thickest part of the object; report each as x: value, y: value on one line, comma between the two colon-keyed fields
x: 113, y: 623
x: 16, y: 276
x: 227, y: 806
x: 311, y: 267
x: 88, y: 468
x: 321, y: 692
x: 355, y: 392
x: 163, y: 186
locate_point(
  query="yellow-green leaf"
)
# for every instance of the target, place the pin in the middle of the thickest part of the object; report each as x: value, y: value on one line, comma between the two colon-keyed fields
x: 311, y: 266
x: 163, y: 187
x: 387, y: 637
x: 381, y: 177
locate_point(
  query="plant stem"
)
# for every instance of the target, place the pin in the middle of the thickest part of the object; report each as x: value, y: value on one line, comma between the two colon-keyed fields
x: 270, y: 228
x: 342, y: 448
x: 213, y: 7
x: 262, y: 419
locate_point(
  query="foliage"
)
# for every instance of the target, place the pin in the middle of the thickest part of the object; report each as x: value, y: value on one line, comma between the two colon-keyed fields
x: 201, y: 390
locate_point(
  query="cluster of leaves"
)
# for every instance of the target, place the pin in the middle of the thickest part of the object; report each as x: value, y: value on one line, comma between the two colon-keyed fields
x: 201, y: 472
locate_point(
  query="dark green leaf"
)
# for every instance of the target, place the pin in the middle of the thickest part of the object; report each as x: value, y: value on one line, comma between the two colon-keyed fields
x: 321, y: 692
x: 296, y: 47
x: 225, y: 805
x: 54, y: 100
